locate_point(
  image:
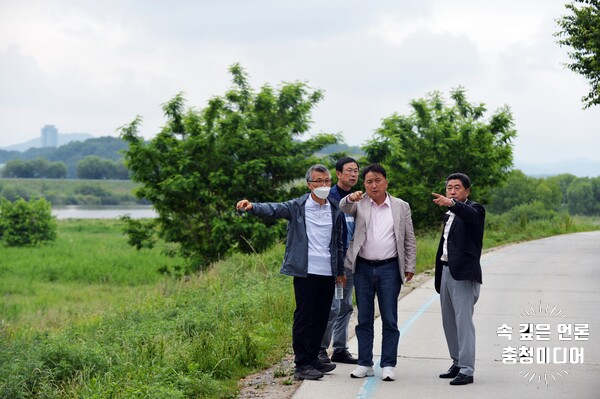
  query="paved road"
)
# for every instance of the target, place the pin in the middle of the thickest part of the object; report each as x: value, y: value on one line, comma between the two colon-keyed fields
x: 553, y: 282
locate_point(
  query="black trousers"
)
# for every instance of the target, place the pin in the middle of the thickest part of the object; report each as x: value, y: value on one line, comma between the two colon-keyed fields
x: 313, y: 294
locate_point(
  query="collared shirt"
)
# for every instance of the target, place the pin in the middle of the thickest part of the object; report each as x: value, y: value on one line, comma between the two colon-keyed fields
x: 451, y: 216
x: 337, y: 193
x: 318, y: 230
x: 380, y: 242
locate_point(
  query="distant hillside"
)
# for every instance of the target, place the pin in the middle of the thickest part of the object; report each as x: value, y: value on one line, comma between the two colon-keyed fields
x: 353, y: 151
x: 83, y: 145
x: 63, y: 138
x: 104, y: 147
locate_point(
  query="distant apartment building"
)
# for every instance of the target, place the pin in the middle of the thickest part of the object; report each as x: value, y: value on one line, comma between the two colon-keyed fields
x: 49, y: 136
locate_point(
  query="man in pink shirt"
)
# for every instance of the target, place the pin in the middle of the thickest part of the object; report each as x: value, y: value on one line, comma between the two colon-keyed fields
x: 382, y: 255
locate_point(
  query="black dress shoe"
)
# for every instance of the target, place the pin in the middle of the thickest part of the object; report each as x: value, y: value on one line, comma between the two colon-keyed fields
x: 343, y: 356
x: 462, y: 379
x: 451, y: 373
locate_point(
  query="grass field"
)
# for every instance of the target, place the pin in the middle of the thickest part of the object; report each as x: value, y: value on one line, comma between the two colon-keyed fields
x: 88, y: 269
x: 89, y: 317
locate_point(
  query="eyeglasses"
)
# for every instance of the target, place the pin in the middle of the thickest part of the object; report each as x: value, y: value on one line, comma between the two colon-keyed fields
x: 320, y: 182
x: 351, y: 171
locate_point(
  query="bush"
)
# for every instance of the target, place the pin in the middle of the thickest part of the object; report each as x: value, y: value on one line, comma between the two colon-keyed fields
x: 25, y: 223
x: 535, y: 210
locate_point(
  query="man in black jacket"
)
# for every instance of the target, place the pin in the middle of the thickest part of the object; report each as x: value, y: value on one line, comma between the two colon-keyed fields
x: 458, y: 274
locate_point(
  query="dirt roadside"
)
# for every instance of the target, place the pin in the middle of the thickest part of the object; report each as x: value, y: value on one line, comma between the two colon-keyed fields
x: 277, y: 382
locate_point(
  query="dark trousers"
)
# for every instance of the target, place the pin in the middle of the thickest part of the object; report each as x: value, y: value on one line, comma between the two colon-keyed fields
x: 313, y: 300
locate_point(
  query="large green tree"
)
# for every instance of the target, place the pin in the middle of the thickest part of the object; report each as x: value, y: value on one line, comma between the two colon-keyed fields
x: 421, y: 149
x: 580, y: 30
x: 243, y: 144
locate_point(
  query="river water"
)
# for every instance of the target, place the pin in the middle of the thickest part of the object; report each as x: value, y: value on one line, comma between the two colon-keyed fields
x: 103, y: 212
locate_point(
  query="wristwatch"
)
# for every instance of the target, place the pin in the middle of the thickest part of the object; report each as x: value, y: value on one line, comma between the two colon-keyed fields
x: 453, y: 202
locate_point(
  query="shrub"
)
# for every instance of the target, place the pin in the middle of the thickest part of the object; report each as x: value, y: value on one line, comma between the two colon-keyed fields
x: 25, y: 223
x: 526, y: 212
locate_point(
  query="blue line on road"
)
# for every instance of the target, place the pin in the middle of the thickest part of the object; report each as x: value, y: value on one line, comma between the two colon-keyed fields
x: 371, y: 384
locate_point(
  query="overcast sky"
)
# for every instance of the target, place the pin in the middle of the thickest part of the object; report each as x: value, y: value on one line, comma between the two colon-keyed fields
x: 92, y: 66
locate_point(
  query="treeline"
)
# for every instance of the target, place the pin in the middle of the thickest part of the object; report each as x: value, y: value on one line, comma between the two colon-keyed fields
x: 91, y: 167
x: 99, y: 158
x: 521, y: 196
x: 72, y: 191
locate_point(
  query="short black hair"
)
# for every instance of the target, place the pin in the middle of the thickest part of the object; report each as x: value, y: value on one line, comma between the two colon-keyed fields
x: 374, y: 167
x: 466, y: 182
x: 339, y: 165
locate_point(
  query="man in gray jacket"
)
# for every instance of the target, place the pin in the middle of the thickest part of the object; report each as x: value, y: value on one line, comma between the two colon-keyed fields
x: 314, y: 257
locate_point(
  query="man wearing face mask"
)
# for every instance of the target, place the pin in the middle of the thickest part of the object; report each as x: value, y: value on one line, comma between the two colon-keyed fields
x: 336, y: 333
x: 314, y: 258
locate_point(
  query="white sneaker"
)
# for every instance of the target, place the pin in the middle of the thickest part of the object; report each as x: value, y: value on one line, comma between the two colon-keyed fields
x: 387, y: 374
x: 362, y: 372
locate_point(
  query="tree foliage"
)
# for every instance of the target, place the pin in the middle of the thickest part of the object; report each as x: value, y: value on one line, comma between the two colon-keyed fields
x: 421, y: 149
x: 94, y: 167
x: 583, y: 196
x: 70, y: 154
x: 542, y: 196
x: 38, y: 168
x: 580, y: 30
x: 241, y: 145
x: 519, y: 189
x: 26, y: 223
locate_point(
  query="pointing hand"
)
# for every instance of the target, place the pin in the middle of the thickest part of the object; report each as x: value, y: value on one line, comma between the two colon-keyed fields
x: 441, y: 200
x: 355, y: 196
x: 244, y: 205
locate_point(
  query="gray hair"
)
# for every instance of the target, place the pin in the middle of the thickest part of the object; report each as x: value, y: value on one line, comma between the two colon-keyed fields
x: 317, y: 168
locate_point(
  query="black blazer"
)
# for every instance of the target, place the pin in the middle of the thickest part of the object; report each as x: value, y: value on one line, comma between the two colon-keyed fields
x: 465, y: 241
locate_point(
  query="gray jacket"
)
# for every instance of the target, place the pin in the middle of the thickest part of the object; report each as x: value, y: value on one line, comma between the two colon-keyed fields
x: 295, y: 260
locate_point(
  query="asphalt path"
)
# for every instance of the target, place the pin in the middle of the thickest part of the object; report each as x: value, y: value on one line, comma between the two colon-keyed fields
x: 550, y: 285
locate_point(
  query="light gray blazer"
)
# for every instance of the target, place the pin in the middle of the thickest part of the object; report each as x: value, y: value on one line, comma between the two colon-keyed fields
x: 403, y: 230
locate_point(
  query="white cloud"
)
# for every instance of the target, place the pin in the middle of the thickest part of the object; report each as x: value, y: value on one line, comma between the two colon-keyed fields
x: 90, y: 66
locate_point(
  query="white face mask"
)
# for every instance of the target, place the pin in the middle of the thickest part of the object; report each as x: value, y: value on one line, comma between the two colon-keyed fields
x: 322, y: 192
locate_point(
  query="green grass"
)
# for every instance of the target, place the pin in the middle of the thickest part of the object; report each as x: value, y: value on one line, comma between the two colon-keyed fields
x: 89, y: 268
x: 96, y: 319
x: 89, y: 317
x: 501, y: 231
